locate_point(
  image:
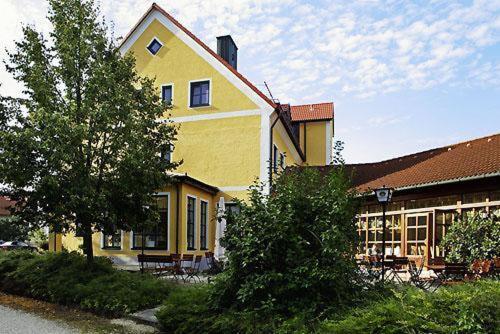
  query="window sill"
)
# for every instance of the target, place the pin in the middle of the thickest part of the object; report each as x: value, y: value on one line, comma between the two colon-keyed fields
x: 111, y: 248
x: 191, y: 249
x: 150, y: 248
x: 199, y: 106
x: 204, y: 249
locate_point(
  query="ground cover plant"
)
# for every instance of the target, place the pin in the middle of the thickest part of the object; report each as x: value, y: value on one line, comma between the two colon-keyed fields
x: 68, y: 279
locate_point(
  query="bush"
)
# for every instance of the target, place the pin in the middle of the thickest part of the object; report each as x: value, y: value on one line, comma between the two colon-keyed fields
x: 67, y: 279
x: 292, y: 251
x: 466, y: 308
x: 473, y: 238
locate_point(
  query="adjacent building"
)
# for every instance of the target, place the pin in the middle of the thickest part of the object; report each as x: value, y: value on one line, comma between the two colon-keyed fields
x: 432, y: 188
x: 230, y: 135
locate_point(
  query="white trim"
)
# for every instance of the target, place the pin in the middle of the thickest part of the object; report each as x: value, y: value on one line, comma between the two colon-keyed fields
x: 102, y: 240
x: 288, y: 142
x: 329, y: 139
x: 209, y: 93
x: 234, y: 188
x: 122, y: 236
x: 159, y: 41
x: 212, y: 116
x: 195, y: 220
x: 131, y: 240
x: 109, y: 248
x: 207, y: 225
x: 171, y: 84
x: 265, y: 129
x: 209, y: 58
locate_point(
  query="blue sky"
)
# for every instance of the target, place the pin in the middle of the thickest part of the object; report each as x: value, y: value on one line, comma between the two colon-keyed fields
x: 405, y: 76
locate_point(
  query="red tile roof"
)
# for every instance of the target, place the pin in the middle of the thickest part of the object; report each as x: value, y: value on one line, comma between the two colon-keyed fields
x: 467, y: 160
x: 312, y: 112
x: 154, y: 6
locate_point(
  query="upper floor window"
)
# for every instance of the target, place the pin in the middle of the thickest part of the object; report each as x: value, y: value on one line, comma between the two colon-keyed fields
x: 275, y: 158
x: 166, y: 154
x: 154, y: 46
x: 199, y: 94
x: 282, y: 161
x: 167, y: 92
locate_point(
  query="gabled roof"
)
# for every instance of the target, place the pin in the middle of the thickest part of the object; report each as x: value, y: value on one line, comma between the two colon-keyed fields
x: 312, y: 112
x: 468, y: 160
x: 155, y: 6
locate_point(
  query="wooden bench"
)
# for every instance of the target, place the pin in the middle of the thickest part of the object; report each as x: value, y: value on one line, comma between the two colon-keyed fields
x: 157, y: 264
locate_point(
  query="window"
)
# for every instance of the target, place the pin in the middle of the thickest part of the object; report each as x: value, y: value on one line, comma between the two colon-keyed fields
x: 416, y: 237
x: 154, y: 46
x: 203, y: 224
x: 275, y: 158
x: 166, y: 154
x: 282, y: 161
x: 167, y: 92
x: 392, y: 235
x: 112, y: 240
x: 191, y: 222
x: 200, y: 94
x: 154, y: 237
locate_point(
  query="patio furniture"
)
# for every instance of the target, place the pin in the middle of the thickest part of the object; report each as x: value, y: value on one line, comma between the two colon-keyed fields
x: 193, y: 271
x: 155, y: 264
x: 185, y: 262
x: 415, y: 269
x: 399, y: 268
x: 452, y: 273
x: 213, y: 265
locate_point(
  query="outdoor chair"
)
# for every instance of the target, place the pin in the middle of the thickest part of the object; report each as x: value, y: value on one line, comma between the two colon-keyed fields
x: 154, y: 264
x: 193, y: 271
x: 213, y: 266
x: 185, y: 262
x: 453, y: 273
x: 415, y: 268
x: 399, y: 268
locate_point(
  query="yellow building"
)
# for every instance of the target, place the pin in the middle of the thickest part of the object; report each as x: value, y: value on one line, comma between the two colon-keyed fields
x: 230, y: 135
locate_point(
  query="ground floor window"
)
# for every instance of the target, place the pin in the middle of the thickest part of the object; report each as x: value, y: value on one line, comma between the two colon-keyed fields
x: 191, y: 204
x: 203, y: 224
x: 392, y: 235
x: 112, y: 240
x: 416, y: 235
x: 155, y: 236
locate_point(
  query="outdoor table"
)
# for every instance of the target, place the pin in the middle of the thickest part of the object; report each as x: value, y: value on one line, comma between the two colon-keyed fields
x: 437, y: 268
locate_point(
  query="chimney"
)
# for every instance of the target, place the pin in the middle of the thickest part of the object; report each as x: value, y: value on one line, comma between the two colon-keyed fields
x: 227, y: 49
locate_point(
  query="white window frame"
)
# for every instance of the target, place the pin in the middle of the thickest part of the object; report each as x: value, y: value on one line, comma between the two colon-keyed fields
x: 170, y: 84
x: 152, y: 39
x: 195, y: 220
x: 112, y: 249
x: 210, y: 89
x: 207, y: 225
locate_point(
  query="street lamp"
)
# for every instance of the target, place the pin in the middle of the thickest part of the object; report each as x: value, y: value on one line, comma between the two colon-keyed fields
x: 384, y: 196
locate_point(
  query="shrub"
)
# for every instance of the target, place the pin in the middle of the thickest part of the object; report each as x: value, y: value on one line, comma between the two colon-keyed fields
x: 466, y: 308
x: 68, y: 279
x: 473, y: 238
x: 292, y: 251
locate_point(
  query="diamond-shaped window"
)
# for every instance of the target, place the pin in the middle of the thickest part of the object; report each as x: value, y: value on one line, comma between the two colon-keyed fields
x: 154, y: 46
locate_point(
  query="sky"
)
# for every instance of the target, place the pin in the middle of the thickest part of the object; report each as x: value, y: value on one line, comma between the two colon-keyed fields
x: 405, y: 76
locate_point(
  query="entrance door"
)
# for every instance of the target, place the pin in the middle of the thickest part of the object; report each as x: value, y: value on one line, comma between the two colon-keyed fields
x: 416, y: 234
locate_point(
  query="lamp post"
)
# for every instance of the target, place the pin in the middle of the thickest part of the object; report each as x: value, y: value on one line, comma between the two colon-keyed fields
x: 384, y: 196
x: 145, y: 208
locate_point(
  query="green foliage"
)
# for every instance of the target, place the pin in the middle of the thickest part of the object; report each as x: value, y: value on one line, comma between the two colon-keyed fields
x: 12, y: 228
x: 466, y: 308
x: 77, y: 150
x: 39, y: 238
x: 473, y: 238
x: 68, y: 279
x: 292, y: 251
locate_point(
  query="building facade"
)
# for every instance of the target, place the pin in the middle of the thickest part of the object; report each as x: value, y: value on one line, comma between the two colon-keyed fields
x: 230, y: 135
x: 432, y: 189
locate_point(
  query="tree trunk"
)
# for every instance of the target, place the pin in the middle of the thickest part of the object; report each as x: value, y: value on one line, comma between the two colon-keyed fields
x: 87, y: 242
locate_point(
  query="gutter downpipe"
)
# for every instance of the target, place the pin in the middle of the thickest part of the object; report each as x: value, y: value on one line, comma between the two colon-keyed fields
x: 271, y: 149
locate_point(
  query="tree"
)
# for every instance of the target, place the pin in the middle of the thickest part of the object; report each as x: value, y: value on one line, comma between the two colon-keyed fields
x: 11, y: 229
x: 473, y: 237
x: 81, y: 149
x: 293, y: 250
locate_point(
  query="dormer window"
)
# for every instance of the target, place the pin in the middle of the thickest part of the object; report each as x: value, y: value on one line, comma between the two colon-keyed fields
x: 154, y: 46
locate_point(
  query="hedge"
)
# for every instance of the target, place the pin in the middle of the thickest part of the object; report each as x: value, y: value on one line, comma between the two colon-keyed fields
x: 67, y: 279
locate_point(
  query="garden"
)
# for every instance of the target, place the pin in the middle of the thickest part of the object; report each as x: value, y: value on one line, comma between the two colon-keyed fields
x: 290, y: 269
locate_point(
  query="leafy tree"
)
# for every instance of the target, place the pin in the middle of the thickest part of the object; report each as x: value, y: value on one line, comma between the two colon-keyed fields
x: 81, y: 149
x: 473, y: 237
x: 12, y: 229
x: 292, y: 251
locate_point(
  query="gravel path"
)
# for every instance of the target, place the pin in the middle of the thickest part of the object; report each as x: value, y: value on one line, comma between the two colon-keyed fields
x: 19, y: 322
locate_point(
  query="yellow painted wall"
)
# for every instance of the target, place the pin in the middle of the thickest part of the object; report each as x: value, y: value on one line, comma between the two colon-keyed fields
x: 316, y: 143
x: 177, y: 63
x: 223, y: 152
